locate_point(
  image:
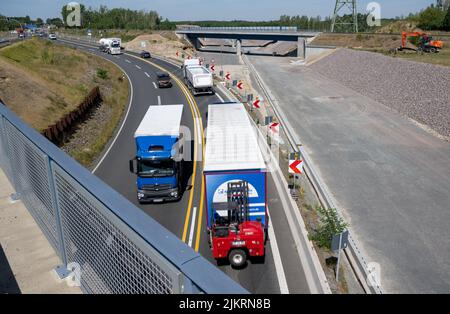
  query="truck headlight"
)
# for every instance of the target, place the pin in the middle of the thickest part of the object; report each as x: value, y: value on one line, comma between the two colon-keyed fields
x: 174, y: 194
x: 140, y: 195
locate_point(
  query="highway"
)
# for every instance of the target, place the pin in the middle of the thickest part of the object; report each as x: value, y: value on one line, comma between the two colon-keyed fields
x: 282, y: 271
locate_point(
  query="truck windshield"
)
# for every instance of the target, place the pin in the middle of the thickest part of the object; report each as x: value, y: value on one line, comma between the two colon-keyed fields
x: 156, y: 168
x: 115, y: 45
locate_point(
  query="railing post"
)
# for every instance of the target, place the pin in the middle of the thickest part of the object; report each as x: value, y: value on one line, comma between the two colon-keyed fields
x: 60, y: 270
x: 5, y: 142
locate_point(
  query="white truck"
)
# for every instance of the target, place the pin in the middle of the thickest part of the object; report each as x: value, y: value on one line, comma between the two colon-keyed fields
x: 111, y: 45
x: 197, y: 78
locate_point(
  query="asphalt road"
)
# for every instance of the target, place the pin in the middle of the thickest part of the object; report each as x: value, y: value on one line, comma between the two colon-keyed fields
x: 282, y: 271
x: 389, y: 176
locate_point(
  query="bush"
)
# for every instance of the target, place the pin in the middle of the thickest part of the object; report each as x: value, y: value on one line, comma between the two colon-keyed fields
x: 103, y: 74
x: 330, y: 224
x: 446, y: 23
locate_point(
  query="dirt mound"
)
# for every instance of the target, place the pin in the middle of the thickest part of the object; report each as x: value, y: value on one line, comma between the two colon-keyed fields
x: 398, y: 27
x: 159, y: 44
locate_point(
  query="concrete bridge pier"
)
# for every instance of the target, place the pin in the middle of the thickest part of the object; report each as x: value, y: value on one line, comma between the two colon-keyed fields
x: 301, y: 48
x: 238, y: 47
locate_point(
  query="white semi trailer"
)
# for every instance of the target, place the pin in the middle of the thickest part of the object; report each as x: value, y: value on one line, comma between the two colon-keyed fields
x: 111, y: 45
x: 198, y: 78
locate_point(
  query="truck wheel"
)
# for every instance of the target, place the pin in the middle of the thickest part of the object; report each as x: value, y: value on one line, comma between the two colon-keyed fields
x: 237, y: 258
x: 433, y: 50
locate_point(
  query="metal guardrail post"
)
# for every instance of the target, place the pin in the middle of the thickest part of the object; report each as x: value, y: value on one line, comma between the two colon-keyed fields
x: 13, y: 173
x: 61, y: 270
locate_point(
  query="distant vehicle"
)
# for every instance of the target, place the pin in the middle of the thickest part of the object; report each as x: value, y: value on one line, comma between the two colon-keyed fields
x: 21, y: 35
x: 111, y: 45
x: 163, y: 79
x: 159, y: 155
x: 52, y: 36
x: 145, y: 54
x: 235, y: 177
x: 426, y: 42
x: 41, y: 34
x: 198, y: 78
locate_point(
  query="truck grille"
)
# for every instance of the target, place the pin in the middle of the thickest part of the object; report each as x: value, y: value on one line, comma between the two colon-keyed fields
x: 156, y: 187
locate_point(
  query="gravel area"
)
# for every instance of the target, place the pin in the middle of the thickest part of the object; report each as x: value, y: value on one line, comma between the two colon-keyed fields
x: 417, y: 90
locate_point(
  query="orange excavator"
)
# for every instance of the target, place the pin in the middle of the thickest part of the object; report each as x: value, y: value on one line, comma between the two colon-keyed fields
x: 426, y: 42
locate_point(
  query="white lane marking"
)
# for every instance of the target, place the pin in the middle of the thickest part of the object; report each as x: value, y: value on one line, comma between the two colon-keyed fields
x: 191, y: 232
x: 154, y: 84
x: 147, y: 74
x: 117, y: 57
x: 123, y: 123
x: 126, y: 60
x: 220, y: 97
x: 137, y: 66
x: 284, y: 289
x: 159, y: 100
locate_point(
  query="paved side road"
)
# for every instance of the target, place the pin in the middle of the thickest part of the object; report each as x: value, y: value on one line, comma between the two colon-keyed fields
x: 390, y: 177
x: 27, y: 259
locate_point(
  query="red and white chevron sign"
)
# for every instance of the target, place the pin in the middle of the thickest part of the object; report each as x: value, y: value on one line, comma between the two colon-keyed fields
x: 240, y: 85
x: 296, y: 166
x: 228, y: 76
x: 256, y: 103
x: 275, y: 127
x: 212, y: 67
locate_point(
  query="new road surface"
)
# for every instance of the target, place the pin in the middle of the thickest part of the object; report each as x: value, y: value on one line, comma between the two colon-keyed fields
x: 282, y: 271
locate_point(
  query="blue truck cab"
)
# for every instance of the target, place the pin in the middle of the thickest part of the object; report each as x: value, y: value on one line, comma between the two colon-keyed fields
x: 158, y: 162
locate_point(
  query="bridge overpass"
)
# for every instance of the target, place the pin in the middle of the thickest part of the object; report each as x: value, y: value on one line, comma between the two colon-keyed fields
x: 237, y: 34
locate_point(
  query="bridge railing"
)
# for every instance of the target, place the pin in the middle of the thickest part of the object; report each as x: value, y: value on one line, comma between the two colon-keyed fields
x: 101, y: 238
x: 253, y: 29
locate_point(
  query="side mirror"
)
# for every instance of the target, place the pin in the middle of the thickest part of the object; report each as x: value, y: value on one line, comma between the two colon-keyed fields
x: 133, y: 169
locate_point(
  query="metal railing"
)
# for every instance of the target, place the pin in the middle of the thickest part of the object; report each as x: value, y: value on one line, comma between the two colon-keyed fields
x: 250, y: 28
x: 117, y: 247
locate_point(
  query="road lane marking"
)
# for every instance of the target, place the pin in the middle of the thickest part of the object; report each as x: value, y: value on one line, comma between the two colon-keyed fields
x: 137, y: 66
x: 159, y: 100
x: 126, y: 60
x: 220, y: 97
x: 282, y: 282
x: 147, y: 74
x: 200, y: 216
x: 154, y: 84
x: 191, y: 233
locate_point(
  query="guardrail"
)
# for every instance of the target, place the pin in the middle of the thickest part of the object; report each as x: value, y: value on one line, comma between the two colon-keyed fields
x: 253, y: 29
x: 353, y: 252
x: 114, y: 245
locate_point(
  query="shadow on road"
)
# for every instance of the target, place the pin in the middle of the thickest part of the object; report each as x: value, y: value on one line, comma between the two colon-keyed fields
x: 8, y: 283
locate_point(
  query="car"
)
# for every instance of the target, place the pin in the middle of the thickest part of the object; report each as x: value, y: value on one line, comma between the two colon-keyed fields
x: 145, y: 54
x: 52, y: 36
x: 163, y: 79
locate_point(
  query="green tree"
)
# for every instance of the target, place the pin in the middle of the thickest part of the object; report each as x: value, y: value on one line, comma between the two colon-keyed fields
x: 446, y: 22
x: 431, y: 18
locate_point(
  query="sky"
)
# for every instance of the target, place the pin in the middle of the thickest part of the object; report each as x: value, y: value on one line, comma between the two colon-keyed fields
x: 179, y: 10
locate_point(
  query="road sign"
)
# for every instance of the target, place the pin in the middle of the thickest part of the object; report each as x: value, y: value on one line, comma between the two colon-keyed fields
x: 235, y: 82
x: 296, y: 166
x: 256, y: 103
x: 228, y: 76
x: 212, y: 67
x: 207, y: 65
x: 268, y: 120
x: 275, y: 127
x: 338, y: 243
x: 240, y: 85
x: 221, y: 73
